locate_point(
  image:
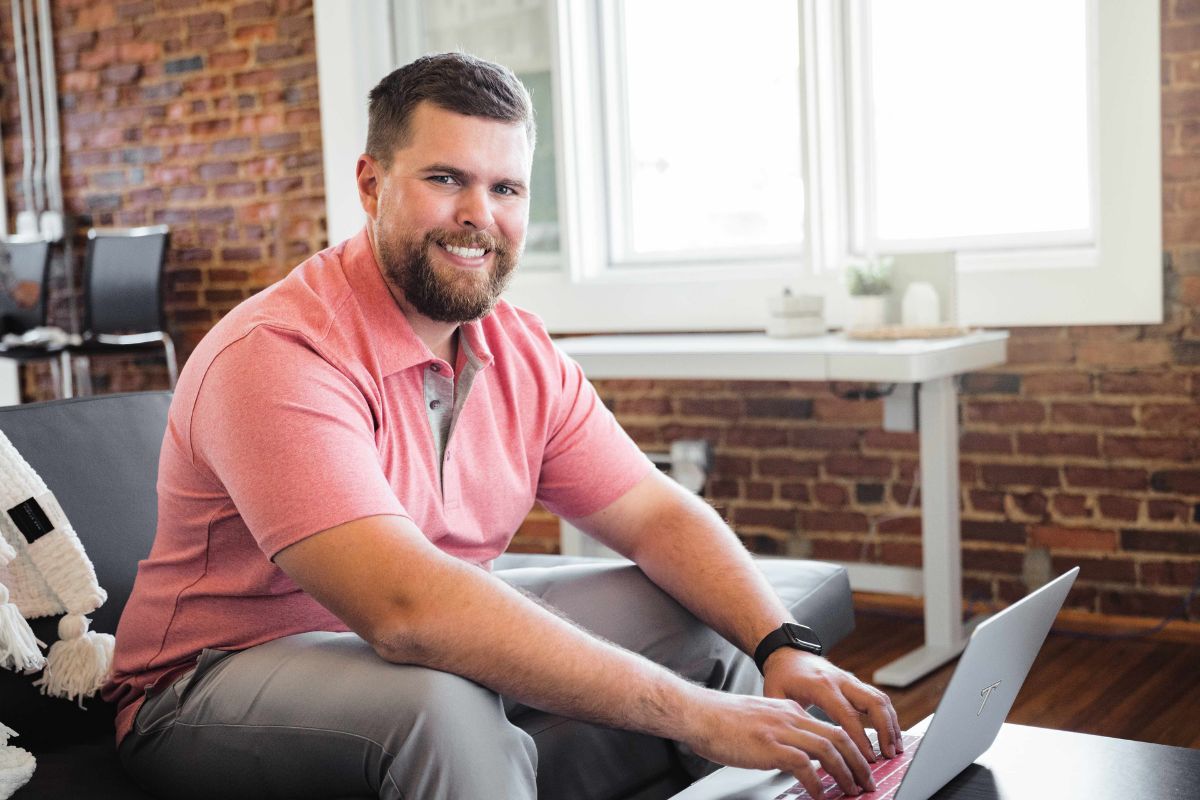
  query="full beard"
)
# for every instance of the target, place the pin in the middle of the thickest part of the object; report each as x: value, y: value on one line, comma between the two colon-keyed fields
x: 447, y: 293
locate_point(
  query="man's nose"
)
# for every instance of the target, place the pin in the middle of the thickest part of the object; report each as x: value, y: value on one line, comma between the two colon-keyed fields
x: 475, y: 209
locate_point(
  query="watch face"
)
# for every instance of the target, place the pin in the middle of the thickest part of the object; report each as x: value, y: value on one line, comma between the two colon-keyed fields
x: 803, y: 636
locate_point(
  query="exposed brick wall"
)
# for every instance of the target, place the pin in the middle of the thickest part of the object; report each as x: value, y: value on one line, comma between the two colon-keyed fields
x: 1083, y: 448
x: 200, y: 115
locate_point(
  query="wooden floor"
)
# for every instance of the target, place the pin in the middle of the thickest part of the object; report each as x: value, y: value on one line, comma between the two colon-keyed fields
x: 1133, y: 689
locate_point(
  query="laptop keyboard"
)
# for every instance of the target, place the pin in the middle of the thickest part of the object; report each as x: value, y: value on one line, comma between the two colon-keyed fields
x: 888, y: 772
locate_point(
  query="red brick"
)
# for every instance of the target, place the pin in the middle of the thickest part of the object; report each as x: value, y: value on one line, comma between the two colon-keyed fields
x: 1009, y: 562
x: 1106, y: 478
x: 853, y: 466
x: 1058, y: 444
x: 1168, y: 511
x: 796, y: 492
x: 1100, y: 570
x: 906, y: 526
x: 1005, y: 412
x: 836, y: 549
x: 1057, y: 383
x: 241, y: 254
x: 1151, y: 447
x: 758, y: 490
x: 1176, y: 418
x: 1027, y: 506
x: 1003, y: 475
x: 778, y: 407
x: 1093, y: 414
x: 742, y: 436
x: 1122, y: 509
x: 786, y: 467
x: 831, y: 494
x: 1060, y: 538
x: 986, y: 530
x: 1180, y: 542
x: 823, y: 438
x: 643, y: 406
x: 889, y: 440
x: 979, y: 442
x: 991, y: 502
x: 757, y: 516
x: 902, y: 554
x: 252, y: 11
x: 1044, y: 352
x: 1144, y: 383
x: 834, y: 521
x: 834, y: 409
x: 709, y: 407
x: 764, y: 544
x: 1176, y: 481
x: 1169, y: 573
x: 1070, y: 505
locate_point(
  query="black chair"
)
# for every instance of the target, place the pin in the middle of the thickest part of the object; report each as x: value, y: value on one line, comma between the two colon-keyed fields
x: 123, y: 290
x: 24, y: 287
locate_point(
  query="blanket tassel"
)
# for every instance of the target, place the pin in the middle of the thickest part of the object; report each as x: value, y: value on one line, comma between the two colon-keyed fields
x: 78, y: 664
x: 18, y: 646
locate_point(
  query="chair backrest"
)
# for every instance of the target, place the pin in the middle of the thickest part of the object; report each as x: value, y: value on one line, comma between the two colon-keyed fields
x: 99, y: 455
x: 25, y: 269
x: 124, y: 279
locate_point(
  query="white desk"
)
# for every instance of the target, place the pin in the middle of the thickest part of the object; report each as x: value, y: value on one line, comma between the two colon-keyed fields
x: 931, y: 364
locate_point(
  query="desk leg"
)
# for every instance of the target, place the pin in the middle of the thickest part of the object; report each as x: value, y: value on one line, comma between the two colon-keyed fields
x: 940, y: 543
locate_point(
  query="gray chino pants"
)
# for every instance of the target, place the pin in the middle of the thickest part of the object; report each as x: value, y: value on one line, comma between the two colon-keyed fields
x: 320, y: 715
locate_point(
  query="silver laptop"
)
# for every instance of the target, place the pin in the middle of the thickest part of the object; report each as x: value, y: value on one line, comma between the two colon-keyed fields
x: 968, y: 717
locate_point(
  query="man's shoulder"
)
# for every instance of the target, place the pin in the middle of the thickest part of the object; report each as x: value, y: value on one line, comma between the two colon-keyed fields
x: 305, y: 302
x: 515, y: 324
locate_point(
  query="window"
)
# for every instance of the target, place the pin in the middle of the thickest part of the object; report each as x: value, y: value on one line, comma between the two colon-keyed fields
x: 705, y: 143
x: 696, y: 156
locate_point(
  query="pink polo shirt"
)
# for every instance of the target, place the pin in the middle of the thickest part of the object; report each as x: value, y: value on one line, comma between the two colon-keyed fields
x: 313, y: 404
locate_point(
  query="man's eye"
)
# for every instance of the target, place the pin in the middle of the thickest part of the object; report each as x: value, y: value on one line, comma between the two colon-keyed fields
x: 444, y: 180
x: 505, y: 190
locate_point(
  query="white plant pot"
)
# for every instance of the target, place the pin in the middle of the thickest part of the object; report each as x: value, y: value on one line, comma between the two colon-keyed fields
x: 867, y: 311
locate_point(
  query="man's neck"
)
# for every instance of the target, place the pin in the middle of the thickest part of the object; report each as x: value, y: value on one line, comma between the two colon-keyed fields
x: 440, y: 337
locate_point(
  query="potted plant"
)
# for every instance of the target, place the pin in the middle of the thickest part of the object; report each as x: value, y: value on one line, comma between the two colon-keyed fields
x: 869, y: 281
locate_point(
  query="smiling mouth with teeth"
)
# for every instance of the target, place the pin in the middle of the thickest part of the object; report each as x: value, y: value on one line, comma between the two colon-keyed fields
x: 463, y: 252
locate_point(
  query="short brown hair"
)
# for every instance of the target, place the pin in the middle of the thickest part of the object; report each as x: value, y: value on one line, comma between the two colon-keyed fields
x: 455, y: 82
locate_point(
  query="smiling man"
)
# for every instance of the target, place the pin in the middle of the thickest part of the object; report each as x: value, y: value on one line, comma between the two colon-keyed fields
x: 347, y: 453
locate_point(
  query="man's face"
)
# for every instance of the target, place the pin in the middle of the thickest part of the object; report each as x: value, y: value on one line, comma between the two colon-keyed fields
x: 450, y: 214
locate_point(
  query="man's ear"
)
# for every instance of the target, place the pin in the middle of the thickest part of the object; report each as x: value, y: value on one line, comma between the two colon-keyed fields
x: 368, y: 173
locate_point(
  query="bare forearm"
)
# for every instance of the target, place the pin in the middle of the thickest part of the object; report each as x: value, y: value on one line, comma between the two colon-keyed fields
x: 683, y: 545
x: 478, y: 627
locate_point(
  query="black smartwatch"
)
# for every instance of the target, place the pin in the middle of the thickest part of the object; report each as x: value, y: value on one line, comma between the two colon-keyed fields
x: 789, y: 634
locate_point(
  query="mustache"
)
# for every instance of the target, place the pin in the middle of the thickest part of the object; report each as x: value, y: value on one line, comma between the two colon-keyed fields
x: 470, y: 239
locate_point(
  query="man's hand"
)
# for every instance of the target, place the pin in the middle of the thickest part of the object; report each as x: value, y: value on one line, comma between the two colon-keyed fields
x: 771, y: 733
x: 812, y: 680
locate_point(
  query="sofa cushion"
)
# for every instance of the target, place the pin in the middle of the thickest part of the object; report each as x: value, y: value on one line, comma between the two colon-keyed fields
x: 99, y: 456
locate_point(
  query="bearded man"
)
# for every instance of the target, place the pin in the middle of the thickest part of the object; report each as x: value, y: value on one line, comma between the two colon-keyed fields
x: 346, y: 454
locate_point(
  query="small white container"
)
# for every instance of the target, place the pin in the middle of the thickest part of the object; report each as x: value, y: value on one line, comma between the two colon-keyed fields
x: 867, y: 311
x: 796, y: 305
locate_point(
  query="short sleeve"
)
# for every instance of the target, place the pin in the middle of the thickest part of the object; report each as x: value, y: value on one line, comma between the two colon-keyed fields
x: 290, y: 438
x: 589, y: 460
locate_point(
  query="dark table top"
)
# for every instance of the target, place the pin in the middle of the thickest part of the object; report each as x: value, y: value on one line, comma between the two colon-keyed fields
x: 1025, y: 763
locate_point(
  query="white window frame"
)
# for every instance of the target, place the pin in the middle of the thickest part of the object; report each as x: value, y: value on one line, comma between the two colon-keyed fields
x: 1115, y: 280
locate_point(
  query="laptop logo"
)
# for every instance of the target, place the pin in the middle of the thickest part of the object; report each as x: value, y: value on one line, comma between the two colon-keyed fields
x: 985, y: 693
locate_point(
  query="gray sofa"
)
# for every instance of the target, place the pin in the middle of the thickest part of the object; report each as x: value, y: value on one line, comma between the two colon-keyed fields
x: 99, y: 456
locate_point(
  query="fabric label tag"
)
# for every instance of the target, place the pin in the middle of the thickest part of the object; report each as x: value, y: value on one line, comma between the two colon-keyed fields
x: 31, y: 520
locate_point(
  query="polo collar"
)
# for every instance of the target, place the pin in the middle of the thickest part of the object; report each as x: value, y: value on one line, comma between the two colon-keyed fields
x: 396, y: 345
